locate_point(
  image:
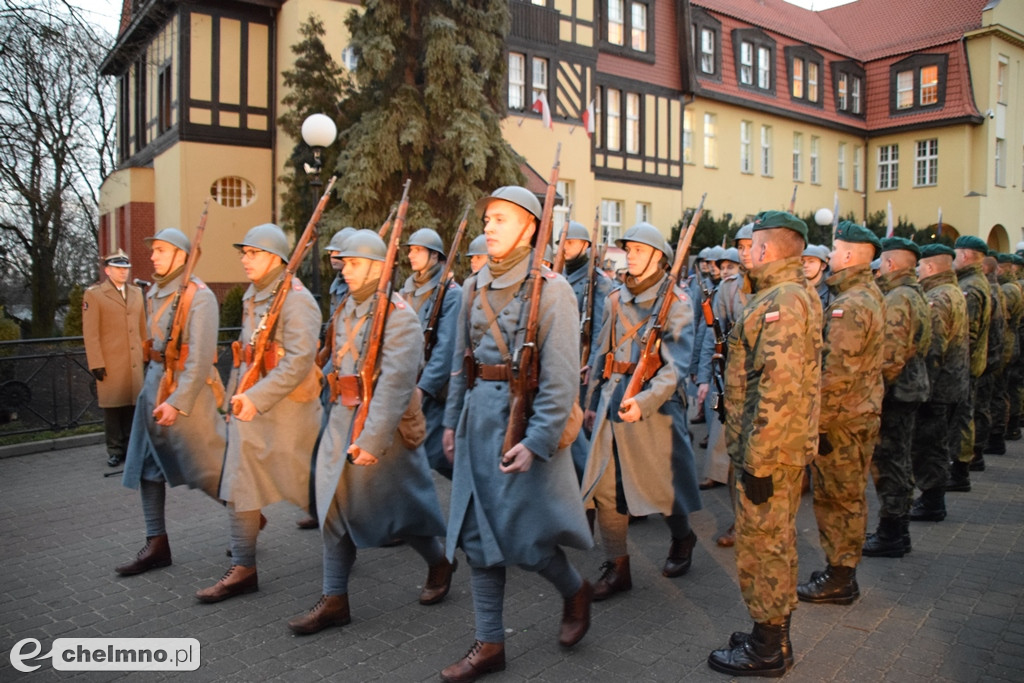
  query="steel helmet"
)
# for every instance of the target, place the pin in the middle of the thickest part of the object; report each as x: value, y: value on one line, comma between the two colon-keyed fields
x: 669, y: 252
x: 338, y: 239
x: 819, y: 251
x: 428, y: 239
x: 267, y: 237
x: 577, y: 231
x: 478, y: 247
x: 644, y: 233
x: 730, y: 254
x: 172, y: 236
x: 365, y: 244
x: 715, y: 254
x: 702, y: 255
x: 744, y: 233
x: 513, y: 194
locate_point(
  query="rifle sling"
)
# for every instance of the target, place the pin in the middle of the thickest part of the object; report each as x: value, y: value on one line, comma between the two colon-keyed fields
x: 183, y: 306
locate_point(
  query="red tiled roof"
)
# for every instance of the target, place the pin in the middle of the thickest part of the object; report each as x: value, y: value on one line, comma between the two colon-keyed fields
x: 784, y: 19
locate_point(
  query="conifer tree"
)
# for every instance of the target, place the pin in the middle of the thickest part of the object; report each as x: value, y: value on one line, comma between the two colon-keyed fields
x: 431, y: 94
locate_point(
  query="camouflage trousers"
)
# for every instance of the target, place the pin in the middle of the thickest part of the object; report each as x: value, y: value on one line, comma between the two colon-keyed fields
x: 1015, y: 394
x: 934, y: 433
x: 890, y: 463
x: 983, y: 409
x: 1000, y: 405
x: 766, y: 558
x: 962, y: 436
x: 840, y: 489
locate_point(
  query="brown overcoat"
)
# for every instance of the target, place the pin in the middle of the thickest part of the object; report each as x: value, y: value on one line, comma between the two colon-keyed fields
x: 114, y: 329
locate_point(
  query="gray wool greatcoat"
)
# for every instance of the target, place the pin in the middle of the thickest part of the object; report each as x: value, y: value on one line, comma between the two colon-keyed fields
x: 517, y: 519
x: 655, y: 459
x: 113, y: 329
x: 191, y: 451
x: 267, y: 459
x: 396, y: 496
x: 434, y: 378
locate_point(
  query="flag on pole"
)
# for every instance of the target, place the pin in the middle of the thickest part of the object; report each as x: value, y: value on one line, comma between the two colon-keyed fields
x: 835, y: 215
x: 888, y: 218
x: 938, y: 228
x: 540, y: 105
x: 588, y: 119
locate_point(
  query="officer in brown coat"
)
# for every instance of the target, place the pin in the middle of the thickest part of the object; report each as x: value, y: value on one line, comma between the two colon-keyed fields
x: 114, y: 325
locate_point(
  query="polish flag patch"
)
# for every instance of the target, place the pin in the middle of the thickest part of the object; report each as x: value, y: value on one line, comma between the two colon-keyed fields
x: 771, y: 316
x: 837, y: 313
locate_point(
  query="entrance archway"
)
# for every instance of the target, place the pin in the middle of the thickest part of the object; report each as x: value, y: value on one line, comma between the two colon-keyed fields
x: 998, y: 239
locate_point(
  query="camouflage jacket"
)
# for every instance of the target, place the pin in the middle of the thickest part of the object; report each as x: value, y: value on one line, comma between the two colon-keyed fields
x: 1014, y: 299
x: 949, y: 353
x: 908, y: 334
x: 773, y: 371
x: 851, y: 360
x: 979, y: 311
x: 996, y: 325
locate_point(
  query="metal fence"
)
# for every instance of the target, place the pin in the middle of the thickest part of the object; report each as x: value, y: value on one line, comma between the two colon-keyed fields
x: 45, y: 384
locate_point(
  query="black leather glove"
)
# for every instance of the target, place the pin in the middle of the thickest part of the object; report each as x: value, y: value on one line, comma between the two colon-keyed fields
x: 824, y: 445
x: 758, y: 489
x: 99, y: 373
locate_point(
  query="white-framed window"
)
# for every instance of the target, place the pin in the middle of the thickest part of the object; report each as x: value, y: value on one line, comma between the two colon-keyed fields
x: 843, y: 91
x: 233, y: 192
x: 926, y: 163
x: 812, y: 81
x: 1000, y: 159
x: 929, y: 85
x: 1002, y: 75
x: 516, y: 81
x: 616, y: 22
x: 349, y: 59
x: 613, y: 120
x: 638, y: 27
x: 888, y: 167
x: 632, y: 123
x: 687, y: 136
x: 798, y: 156
x: 798, y: 78
x: 856, y: 83
x: 815, y: 160
x: 841, y: 165
x: 746, y: 63
x: 643, y: 212
x: 560, y: 217
x: 766, y: 151
x: 539, y: 79
x: 746, y: 159
x: 611, y: 219
x: 905, y: 90
x: 764, y: 68
x: 858, y: 168
x: 711, y: 140
x: 707, y: 51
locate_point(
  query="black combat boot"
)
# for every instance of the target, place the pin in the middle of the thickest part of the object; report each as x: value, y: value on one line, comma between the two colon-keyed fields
x: 836, y: 585
x: 996, y: 444
x: 905, y: 533
x: 887, y: 541
x: 977, y: 463
x: 760, y: 654
x: 1013, y: 428
x: 959, y: 477
x: 930, y: 507
x: 740, y: 637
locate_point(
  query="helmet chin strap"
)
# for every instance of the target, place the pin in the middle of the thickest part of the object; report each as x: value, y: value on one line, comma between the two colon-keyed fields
x: 515, y: 244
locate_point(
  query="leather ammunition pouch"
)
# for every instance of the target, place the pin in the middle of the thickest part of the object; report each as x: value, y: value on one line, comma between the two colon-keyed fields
x: 243, y: 353
x: 147, y: 349
x: 217, y: 386
x: 612, y: 366
x: 345, y: 389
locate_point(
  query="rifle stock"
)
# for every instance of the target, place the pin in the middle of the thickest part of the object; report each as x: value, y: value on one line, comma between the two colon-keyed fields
x: 587, y: 315
x: 525, y: 367
x: 430, y: 333
x: 650, y: 360
x: 262, y: 337
x: 172, y: 349
x: 718, y: 358
x: 558, y: 265
x: 382, y: 299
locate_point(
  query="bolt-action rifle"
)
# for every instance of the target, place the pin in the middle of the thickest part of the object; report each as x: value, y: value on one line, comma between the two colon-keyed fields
x: 176, y: 353
x: 792, y: 200
x: 264, y: 349
x: 650, y: 358
x: 430, y: 333
x: 558, y: 265
x: 587, y: 314
x: 718, y: 357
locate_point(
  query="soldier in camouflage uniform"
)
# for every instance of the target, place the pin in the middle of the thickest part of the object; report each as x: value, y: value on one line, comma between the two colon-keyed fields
x: 908, y: 330
x: 970, y: 251
x: 994, y: 367
x: 1016, y: 369
x: 851, y: 406
x: 948, y: 377
x: 1014, y: 300
x: 771, y: 398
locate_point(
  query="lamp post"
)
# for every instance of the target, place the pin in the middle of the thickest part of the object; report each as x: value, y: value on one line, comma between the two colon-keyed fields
x: 318, y: 131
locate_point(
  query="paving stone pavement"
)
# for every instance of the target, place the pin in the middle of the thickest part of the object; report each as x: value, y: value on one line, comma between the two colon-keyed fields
x: 952, y: 610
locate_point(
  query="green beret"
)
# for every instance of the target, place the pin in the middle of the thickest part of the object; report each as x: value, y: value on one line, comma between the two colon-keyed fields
x: 848, y: 231
x: 1003, y: 258
x: 971, y: 242
x: 1018, y: 259
x: 780, y: 219
x: 900, y: 243
x: 936, y: 249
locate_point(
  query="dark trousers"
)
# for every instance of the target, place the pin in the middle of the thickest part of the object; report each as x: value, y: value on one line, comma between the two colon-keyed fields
x: 1000, y: 403
x: 890, y: 462
x: 117, y: 423
x: 983, y: 408
x: 962, y: 438
x: 934, y: 433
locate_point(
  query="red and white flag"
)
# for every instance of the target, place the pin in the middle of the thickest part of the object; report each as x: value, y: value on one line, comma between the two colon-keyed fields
x: 540, y: 105
x: 888, y: 219
x: 588, y: 119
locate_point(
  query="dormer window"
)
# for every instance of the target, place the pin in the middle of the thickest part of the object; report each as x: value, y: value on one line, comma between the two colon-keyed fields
x: 848, y: 80
x: 706, y: 39
x: 755, y: 58
x: 806, y: 67
x: 626, y: 28
x: 917, y: 82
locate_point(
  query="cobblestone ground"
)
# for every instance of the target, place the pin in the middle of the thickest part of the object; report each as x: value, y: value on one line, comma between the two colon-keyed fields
x: 949, y: 611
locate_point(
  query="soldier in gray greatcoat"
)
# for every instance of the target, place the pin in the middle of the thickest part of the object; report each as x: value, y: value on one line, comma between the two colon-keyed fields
x: 421, y: 289
x: 181, y: 440
x: 520, y: 506
x: 640, y: 460
x: 477, y: 253
x: 377, y: 487
x: 275, y: 422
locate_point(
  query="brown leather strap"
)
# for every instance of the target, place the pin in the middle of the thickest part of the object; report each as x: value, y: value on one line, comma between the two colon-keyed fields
x: 493, y: 373
x: 492, y: 321
x: 620, y: 367
x: 349, y: 347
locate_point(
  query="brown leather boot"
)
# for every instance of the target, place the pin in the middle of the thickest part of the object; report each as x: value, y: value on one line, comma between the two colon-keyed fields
x: 237, y: 580
x: 329, y: 610
x: 727, y: 539
x: 308, y: 522
x: 482, y: 659
x: 576, y: 616
x: 680, y: 556
x: 156, y: 553
x: 615, y: 578
x: 439, y: 582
